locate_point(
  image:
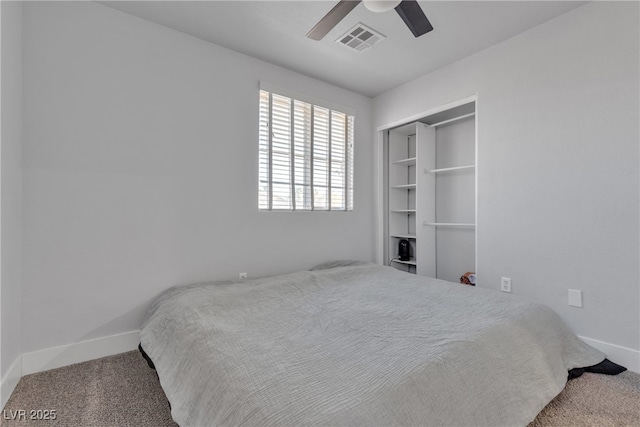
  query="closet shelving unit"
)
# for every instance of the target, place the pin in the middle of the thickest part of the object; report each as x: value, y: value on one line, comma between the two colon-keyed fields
x: 430, y: 192
x: 402, y: 193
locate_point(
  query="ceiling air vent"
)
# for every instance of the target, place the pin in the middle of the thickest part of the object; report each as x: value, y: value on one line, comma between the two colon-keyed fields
x: 360, y: 38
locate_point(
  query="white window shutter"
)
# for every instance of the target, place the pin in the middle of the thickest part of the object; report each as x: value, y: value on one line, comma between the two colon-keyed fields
x: 305, y: 156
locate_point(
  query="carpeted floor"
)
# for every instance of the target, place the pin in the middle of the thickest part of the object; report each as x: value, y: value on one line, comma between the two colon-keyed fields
x: 118, y: 390
x: 121, y: 390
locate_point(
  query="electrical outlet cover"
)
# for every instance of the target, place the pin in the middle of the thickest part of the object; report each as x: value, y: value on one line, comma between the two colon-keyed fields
x: 505, y: 284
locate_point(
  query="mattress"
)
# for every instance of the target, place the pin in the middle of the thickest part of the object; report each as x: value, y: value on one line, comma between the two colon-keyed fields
x: 357, y: 344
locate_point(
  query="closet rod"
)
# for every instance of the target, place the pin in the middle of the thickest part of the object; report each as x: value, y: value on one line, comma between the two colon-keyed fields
x: 444, y: 122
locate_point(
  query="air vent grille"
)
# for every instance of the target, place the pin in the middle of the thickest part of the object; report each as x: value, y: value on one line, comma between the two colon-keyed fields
x: 360, y: 38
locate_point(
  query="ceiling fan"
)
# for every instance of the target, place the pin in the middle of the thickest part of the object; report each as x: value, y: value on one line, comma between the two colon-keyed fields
x: 409, y: 11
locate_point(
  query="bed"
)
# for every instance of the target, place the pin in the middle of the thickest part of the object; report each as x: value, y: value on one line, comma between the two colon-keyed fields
x: 357, y: 344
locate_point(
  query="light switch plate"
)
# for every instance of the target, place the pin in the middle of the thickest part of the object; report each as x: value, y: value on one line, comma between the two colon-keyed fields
x: 575, y: 298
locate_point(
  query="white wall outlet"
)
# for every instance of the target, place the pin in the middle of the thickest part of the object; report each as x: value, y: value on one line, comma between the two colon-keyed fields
x: 242, y: 275
x: 505, y: 284
x: 575, y: 298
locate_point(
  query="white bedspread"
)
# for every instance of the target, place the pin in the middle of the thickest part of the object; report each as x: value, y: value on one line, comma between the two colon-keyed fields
x: 361, y: 345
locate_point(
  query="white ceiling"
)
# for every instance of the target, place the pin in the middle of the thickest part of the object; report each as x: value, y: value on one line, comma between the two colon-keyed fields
x: 274, y: 31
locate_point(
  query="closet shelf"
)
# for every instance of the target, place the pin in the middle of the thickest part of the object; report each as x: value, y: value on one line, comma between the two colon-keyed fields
x: 455, y: 168
x: 410, y: 262
x: 455, y: 119
x: 411, y: 161
x: 404, y: 236
x: 449, y: 224
x: 405, y: 187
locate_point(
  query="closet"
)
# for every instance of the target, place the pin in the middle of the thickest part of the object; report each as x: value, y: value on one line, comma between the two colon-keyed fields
x: 429, y: 194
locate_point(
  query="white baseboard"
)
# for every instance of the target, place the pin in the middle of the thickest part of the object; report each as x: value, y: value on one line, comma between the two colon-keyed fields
x: 56, y: 357
x: 627, y: 357
x: 10, y: 381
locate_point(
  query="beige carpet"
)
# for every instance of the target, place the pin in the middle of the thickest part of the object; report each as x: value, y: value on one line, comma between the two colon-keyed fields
x: 117, y: 390
x: 121, y: 390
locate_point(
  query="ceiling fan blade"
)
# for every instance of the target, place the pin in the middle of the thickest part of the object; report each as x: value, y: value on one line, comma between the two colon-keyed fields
x: 414, y: 17
x: 332, y: 19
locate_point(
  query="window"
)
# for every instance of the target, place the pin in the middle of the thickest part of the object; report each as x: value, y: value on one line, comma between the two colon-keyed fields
x: 305, y: 156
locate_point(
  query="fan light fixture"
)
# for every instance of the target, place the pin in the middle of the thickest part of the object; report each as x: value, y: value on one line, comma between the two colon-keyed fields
x: 409, y: 10
x: 381, y: 5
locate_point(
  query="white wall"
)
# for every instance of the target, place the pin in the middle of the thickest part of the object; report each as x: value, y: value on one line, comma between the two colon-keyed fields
x: 10, y: 200
x: 140, y: 172
x: 558, y: 131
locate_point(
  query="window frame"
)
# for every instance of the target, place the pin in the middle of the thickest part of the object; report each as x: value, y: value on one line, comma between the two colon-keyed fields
x: 304, y: 133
